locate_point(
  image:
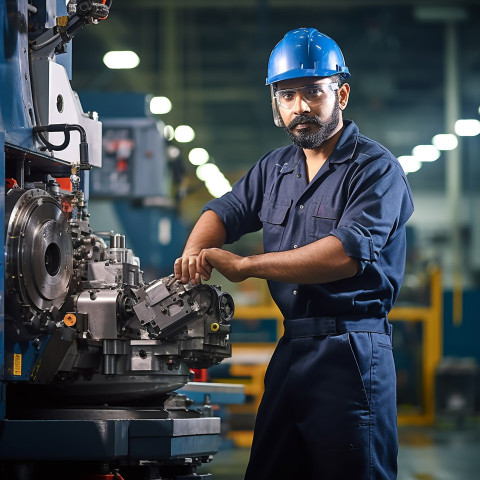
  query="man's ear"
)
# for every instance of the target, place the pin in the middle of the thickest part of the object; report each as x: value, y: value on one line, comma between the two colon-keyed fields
x: 343, y: 95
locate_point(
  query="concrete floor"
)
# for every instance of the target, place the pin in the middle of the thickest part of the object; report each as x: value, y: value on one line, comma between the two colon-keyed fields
x: 433, y: 453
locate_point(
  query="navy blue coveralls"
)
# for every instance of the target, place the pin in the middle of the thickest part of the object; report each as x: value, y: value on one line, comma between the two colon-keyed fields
x: 329, y: 407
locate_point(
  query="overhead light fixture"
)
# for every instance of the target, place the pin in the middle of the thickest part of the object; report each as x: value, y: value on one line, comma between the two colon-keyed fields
x: 426, y: 153
x: 160, y: 105
x: 410, y: 163
x: 173, y: 151
x: 169, y: 132
x: 208, y: 170
x: 467, y: 127
x: 218, y: 186
x: 215, y: 181
x: 445, y: 141
x: 198, y: 156
x: 121, y: 59
x: 184, y: 134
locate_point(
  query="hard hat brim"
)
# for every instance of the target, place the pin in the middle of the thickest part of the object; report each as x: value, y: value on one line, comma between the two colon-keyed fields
x: 300, y: 73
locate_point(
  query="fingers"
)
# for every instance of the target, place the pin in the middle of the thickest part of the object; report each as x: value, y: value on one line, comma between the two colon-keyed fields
x: 185, y: 269
x: 193, y: 268
x: 203, y: 266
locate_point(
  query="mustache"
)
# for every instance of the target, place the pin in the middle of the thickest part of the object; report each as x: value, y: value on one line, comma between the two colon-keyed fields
x: 303, y: 119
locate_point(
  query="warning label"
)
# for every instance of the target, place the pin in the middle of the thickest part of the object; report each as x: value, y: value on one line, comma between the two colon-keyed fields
x: 17, y: 364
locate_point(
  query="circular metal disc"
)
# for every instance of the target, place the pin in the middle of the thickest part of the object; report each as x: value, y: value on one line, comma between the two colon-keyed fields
x: 39, y: 252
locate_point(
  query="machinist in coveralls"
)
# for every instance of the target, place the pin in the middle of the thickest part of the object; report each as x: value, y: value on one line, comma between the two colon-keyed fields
x: 333, y: 207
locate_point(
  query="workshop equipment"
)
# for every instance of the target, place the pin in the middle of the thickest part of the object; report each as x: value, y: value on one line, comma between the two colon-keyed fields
x: 90, y: 354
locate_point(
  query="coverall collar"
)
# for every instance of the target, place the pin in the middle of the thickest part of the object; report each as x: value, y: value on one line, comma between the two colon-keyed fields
x: 342, y: 152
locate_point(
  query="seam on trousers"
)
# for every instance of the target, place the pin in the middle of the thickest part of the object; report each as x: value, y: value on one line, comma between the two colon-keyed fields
x: 372, y: 396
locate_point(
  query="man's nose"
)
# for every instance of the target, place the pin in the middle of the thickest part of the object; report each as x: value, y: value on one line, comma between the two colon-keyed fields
x: 300, y: 105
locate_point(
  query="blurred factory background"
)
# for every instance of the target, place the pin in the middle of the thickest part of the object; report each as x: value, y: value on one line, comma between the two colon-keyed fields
x: 415, y: 68
x: 415, y: 73
x: 185, y: 113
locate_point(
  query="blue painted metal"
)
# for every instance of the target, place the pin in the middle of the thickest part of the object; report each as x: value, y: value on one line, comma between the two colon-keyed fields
x: 2, y: 280
x: 134, y: 161
x: 26, y: 355
x: 218, y: 393
x: 116, y: 104
x: 462, y: 340
x: 16, y: 104
x: 107, y: 440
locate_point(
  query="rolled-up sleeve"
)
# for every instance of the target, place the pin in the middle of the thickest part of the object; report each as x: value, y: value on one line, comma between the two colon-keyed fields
x: 378, y: 195
x: 239, y: 209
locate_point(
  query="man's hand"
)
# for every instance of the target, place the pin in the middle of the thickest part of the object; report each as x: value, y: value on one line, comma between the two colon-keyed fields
x: 227, y: 263
x: 209, y: 231
x: 185, y: 269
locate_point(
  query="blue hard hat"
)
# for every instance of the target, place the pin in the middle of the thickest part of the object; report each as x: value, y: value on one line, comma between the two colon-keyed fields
x: 305, y: 52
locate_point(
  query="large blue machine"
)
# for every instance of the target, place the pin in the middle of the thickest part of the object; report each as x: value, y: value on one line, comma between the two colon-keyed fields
x: 90, y: 354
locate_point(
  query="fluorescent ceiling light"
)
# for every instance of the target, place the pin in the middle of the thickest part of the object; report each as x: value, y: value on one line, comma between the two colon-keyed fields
x: 467, y: 127
x: 117, y: 60
x: 160, y: 105
x: 169, y: 132
x: 445, y: 141
x: 410, y: 163
x: 208, y: 170
x: 198, y: 156
x: 426, y: 153
x: 173, y: 151
x: 216, y: 183
x: 184, y: 134
x: 218, y: 188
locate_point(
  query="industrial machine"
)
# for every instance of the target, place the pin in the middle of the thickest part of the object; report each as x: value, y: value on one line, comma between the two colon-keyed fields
x: 90, y: 353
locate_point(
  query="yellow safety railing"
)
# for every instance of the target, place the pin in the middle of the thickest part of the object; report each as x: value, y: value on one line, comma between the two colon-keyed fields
x: 430, y: 317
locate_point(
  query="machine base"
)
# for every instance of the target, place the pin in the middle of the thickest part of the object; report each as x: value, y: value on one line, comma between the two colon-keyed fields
x: 171, y: 448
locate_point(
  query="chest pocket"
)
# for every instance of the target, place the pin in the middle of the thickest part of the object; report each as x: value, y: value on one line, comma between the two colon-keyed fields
x: 274, y: 215
x: 325, y: 218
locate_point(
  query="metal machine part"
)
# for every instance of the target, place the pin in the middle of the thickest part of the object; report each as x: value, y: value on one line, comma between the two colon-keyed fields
x: 88, y: 350
x: 126, y: 339
x: 39, y: 250
x: 55, y: 103
x: 108, y: 347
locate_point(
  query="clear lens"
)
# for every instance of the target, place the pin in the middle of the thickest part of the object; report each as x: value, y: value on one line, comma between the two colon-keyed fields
x: 312, y: 94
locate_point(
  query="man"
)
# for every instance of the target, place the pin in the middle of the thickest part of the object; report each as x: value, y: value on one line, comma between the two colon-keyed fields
x: 333, y: 208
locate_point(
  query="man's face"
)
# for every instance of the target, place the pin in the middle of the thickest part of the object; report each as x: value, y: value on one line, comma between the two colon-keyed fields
x: 308, y: 119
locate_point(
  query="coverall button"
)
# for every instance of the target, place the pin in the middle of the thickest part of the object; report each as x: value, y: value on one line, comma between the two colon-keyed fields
x: 294, y: 292
x: 299, y: 175
x: 301, y: 207
x: 295, y: 246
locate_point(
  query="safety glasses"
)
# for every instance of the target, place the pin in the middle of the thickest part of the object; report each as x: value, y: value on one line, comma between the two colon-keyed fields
x: 313, y: 94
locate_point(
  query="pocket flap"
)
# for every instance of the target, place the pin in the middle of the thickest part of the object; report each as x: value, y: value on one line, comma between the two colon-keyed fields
x: 274, y: 212
x: 326, y: 209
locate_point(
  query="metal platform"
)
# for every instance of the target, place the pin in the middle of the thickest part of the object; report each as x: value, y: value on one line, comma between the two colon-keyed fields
x: 107, y: 440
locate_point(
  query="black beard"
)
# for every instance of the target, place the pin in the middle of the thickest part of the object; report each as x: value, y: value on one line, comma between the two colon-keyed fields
x: 313, y: 139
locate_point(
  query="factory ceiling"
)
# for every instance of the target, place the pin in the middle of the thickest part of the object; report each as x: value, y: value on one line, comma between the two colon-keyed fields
x: 209, y: 57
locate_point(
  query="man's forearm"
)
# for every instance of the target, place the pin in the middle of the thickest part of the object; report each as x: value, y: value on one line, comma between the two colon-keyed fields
x: 208, y: 232
x: 320, y: 262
